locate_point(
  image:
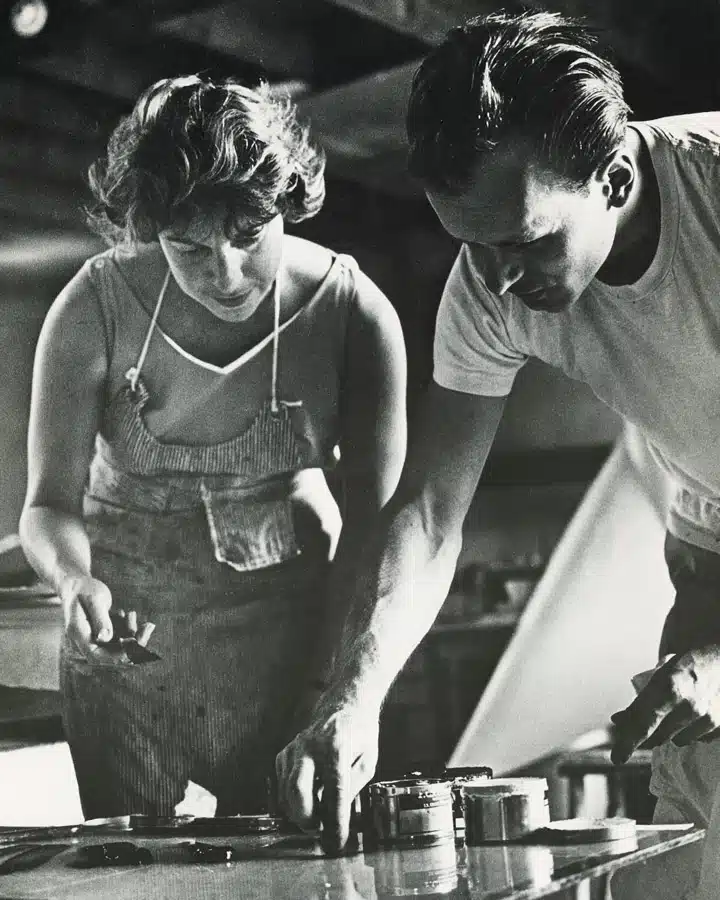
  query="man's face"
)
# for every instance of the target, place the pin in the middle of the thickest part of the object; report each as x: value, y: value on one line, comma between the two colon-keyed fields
x: 527, y: 232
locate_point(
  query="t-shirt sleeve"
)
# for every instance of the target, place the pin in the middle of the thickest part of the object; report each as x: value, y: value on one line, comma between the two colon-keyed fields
x: 472, y: 350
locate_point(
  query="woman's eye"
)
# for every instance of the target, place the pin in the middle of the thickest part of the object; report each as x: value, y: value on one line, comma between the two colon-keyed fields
x: 247, y: 238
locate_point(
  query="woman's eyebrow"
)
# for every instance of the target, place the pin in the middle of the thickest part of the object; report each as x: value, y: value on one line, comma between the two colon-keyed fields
x: 180, y: 239
x: 246, y: 227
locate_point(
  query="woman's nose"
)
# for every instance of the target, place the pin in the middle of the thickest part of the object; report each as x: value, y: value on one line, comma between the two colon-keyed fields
x: 225, y: 268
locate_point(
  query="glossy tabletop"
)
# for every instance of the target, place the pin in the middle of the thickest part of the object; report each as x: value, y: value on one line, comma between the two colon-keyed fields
x: 293, y: 868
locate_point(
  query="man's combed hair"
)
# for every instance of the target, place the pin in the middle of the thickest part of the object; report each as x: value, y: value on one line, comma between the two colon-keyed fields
x: 191, y: 147
x: 537, y: 76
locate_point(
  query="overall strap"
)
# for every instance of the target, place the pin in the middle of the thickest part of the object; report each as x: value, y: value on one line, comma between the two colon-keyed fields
x: 274, y: 402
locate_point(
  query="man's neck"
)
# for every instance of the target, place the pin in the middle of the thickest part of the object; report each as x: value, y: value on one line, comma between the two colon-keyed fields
x: 638, y: 227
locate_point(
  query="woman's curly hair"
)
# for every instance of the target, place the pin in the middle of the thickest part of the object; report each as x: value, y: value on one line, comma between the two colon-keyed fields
x: 190, y: 147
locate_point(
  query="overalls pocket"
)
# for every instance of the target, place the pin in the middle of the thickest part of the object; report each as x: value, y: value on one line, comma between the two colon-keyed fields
x: 251, y: 528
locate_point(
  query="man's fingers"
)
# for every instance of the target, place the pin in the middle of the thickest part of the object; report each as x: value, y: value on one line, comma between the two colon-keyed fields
x: 362, y: 771
x: 698, y: 729
x: 633, y: 726
x: 132, y: 622
x: 337, y: 799
x: 299, y: 792
x: 675, y: 721
x: 669, y: 688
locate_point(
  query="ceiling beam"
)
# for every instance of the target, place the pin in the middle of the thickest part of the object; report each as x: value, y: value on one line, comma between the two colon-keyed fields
x: 123, y: 65
x: 642, y: 33
x: 54, y: 203
x: 30, y: 149
x: 35, y: 100
x: 241, y: 33
x: 428, y: 20
x: 361, y: 126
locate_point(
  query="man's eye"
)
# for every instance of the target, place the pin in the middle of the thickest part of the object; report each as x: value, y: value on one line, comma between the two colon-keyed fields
x: 523, y: 245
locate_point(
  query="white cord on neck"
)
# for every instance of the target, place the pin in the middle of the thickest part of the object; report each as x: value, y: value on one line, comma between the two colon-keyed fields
x: 134, y: 373
x: 276, y: 342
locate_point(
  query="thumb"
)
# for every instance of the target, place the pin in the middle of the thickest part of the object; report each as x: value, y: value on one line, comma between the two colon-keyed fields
x: 97, y: 609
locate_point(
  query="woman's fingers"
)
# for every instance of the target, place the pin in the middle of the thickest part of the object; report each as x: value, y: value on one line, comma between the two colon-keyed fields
x: 144, y: 633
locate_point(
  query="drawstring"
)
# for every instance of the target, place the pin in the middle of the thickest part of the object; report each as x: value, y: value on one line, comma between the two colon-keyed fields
x: 134, y: 373
x: 276, y: 343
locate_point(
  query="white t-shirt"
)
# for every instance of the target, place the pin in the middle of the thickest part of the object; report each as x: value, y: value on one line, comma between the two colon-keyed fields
x: 650, y: 350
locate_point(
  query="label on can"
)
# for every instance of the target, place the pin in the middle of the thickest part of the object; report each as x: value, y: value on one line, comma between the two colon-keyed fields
x: 438, y: 817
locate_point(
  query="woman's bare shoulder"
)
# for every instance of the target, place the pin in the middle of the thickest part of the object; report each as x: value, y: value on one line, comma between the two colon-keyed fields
x: 307, y: 263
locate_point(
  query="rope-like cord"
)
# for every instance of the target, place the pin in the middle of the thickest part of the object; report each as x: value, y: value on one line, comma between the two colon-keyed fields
x: 134, y: 373
x: 276, y: 343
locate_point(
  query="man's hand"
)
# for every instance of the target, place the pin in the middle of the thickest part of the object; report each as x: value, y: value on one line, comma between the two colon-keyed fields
x: 324, y: 767
x: 680, y: 702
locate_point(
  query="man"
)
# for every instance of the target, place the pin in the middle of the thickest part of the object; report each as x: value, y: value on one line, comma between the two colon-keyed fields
x: 593, y: 245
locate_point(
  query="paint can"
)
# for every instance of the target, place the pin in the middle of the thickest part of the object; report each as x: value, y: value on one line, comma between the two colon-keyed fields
x: 412, y: 812
x: 498, y: 810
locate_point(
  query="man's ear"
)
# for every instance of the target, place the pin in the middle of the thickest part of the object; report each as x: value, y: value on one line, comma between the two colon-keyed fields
x: 618, y: 175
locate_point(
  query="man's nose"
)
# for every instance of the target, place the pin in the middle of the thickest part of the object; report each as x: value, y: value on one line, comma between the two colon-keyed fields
x: 502, y: 270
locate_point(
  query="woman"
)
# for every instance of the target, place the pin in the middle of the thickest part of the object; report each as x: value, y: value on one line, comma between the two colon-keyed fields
x: 192, y: 385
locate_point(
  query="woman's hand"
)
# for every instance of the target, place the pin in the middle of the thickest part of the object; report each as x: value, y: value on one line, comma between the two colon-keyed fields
x: 90, y: 626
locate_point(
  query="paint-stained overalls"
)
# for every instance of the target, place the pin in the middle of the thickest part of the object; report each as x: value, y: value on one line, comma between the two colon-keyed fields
x: 203, y: 540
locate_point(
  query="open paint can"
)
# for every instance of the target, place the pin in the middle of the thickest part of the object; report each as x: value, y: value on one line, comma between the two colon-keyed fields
x: 506, y: 809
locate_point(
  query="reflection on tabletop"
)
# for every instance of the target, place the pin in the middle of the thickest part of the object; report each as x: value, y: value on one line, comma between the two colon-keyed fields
x: 292, y: 867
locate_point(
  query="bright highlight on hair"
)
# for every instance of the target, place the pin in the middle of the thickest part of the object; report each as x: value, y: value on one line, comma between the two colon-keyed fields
x: 534, y: 76
x: 192, y: 147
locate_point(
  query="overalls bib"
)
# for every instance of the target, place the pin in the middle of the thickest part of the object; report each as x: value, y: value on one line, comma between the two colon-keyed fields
x: 202, y: 541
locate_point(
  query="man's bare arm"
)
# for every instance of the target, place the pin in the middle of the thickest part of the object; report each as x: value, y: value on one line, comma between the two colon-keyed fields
x: 396, y: 590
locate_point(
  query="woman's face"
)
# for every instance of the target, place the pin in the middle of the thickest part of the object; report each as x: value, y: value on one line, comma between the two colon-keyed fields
x: 228, y: 274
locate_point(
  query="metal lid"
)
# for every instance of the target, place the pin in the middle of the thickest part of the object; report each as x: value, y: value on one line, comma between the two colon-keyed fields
x: 580, y: 831
x: 416, y: 786
x: 462, y: 772
x: 485, y: 786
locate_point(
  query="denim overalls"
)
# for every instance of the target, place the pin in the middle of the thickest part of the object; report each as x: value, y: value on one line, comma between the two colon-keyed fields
x: 202, y: 541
